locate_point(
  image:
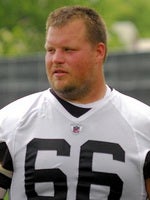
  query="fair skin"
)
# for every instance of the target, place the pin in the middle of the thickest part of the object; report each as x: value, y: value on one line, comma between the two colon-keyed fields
x: 73, y: 65
x: 147, y: 182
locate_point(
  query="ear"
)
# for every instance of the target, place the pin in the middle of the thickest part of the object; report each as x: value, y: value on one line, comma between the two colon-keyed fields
x: 101, y: 51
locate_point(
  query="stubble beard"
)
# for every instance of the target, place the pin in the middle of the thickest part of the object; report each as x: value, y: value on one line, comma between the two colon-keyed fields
x: 72, y: 92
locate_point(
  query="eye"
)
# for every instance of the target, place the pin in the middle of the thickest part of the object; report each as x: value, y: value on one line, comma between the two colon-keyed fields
x: 50, y: 50
x: 67, y: 49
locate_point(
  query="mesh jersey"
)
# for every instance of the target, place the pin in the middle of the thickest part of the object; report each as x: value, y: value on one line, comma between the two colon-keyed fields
x: 54, y: 155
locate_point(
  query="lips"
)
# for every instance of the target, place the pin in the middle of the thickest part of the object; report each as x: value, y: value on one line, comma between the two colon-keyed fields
x: 59, y: 72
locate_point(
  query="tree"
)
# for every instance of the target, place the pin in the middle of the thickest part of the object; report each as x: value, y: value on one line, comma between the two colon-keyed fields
x: 22, y: 24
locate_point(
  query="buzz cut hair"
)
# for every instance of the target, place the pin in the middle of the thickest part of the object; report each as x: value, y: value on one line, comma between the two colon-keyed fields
x: 94, y: 23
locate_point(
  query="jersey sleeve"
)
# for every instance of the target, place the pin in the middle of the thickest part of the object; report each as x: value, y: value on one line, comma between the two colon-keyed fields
x: 146, y: 168
x: 6, y: 169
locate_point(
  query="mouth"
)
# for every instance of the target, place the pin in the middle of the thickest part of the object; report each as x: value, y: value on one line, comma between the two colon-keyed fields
x: 59, y: 73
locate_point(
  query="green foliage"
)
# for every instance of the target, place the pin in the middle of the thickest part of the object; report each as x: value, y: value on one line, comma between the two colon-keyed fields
x: 6, y: 197
x: 22, y: 24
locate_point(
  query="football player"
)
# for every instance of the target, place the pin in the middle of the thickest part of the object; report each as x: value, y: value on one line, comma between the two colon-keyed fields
x: 79, y: 139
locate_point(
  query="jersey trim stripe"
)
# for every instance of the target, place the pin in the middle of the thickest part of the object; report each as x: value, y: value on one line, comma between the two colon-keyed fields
x: 146, y: 168
x: 5, y: 157
x: 5, y: 181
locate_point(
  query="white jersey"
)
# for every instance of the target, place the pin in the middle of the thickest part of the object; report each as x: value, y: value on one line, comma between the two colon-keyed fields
x: 54, y: 155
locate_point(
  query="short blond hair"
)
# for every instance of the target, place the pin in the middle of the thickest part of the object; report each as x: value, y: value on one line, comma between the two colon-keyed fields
x: 95, y: 26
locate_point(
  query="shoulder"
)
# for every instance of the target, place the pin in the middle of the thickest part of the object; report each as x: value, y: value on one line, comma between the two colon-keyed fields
x: 134, y: 111
x: 13, y: 113
x: 123, y: 101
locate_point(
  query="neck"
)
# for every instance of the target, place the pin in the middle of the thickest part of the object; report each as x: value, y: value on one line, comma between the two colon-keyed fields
x: 92, y: 96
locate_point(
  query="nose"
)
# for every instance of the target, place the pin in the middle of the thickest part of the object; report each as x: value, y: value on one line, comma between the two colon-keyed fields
x: 58, y: 57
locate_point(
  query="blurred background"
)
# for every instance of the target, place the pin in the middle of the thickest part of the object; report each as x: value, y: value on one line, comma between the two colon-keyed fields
x: 22, y: 37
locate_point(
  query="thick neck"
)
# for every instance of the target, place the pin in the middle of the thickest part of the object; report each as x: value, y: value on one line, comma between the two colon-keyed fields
x: 94, y: 94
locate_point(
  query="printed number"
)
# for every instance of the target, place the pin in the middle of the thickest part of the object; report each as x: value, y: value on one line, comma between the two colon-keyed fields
x: 86, y: 175
x: 45, y: 175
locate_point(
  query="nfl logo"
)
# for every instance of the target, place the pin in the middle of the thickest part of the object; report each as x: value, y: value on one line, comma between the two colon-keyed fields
x: 76, y: 129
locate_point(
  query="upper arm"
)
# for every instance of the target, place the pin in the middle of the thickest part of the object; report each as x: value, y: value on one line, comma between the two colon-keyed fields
x: 2, y: 193
x: 146, y: 172
x: 147, y: 185
x: 6, y: 169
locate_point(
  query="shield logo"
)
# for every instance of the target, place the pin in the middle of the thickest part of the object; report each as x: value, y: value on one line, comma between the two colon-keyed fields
x: 76, y: 128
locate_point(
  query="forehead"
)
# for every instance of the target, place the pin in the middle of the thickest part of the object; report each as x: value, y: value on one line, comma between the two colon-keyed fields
x: 74, y: 30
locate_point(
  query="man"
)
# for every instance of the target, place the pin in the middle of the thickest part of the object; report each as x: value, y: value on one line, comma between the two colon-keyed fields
x: 81, y: 139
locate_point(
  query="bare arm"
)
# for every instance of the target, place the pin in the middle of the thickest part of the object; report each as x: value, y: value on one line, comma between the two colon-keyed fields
x: 5, y: 179
x: 2, y: 193
x: 6, y: 169
x: 147, y: 184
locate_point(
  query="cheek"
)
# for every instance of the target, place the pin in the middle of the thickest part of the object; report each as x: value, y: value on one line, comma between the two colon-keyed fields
x: 83, y: 66
x: 47, y: 59
x: 79, y: 63
x: 48, y: 62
